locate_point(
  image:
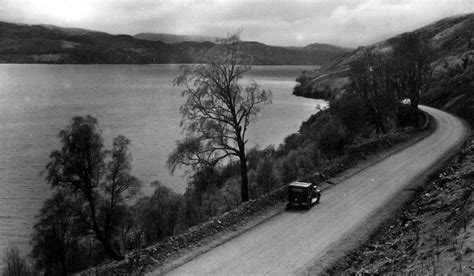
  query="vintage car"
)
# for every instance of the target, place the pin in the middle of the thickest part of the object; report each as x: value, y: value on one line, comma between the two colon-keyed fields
x: 303, y: 194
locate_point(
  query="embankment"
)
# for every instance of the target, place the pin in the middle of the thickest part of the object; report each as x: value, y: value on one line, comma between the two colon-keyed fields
x: 433, y: 232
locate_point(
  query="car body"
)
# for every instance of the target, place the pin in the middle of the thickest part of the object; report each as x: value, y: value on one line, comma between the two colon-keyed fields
x: 303, y: 194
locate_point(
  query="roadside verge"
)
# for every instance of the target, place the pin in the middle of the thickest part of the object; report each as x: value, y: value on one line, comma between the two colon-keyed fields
x: 418, y: 225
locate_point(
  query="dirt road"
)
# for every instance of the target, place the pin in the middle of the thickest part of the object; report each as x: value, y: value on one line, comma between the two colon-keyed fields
x: 288, y: 243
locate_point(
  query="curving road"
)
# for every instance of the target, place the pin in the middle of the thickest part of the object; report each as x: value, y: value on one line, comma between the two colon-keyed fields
x: 288, y: 243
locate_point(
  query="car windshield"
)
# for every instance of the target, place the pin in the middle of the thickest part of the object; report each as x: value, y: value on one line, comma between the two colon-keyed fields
x: 297, y: 190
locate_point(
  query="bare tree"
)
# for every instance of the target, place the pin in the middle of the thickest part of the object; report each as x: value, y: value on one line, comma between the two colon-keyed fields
x: 218, y: 110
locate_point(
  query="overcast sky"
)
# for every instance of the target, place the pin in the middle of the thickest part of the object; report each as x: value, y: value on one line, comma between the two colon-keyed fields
x: 289, y: 23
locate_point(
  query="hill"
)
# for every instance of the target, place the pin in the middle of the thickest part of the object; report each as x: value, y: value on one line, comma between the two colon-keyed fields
x: 51, y: 44
x: 172, y: 38
x: 452, y: 40
x: 432, y: 233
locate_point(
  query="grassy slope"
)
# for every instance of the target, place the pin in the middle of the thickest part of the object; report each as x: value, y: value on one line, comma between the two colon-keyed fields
x: 453, y: 43
x: 433, y: 233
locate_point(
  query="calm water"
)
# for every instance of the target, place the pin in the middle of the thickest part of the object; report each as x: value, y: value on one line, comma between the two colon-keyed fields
x: 140, y: 102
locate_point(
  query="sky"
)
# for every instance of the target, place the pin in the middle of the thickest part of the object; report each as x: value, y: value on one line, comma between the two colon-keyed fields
x: 348, y: 23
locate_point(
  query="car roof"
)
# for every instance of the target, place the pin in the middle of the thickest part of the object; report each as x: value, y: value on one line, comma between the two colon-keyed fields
x: 300, y: 184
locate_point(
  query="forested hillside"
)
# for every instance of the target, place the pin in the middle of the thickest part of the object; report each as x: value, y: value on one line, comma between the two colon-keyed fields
x: 51, y: 44
x: 451, y: 84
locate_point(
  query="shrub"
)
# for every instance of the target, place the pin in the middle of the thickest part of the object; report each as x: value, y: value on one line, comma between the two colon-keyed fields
x: 350, y: 109
x: 266, y: 176
x: 288, y: 167
x: 15, y: 264
x: 158, y: 215
x: 332, y: 136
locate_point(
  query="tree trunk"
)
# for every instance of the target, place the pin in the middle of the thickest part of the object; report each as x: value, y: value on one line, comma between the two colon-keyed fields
x: 108, y: 248
x: 382, y: 125
x: 63, y: 263
x: 244, y: 187
x: 103, y: 240
x: 375, y: 116
x: 414, y: 101
x: 378, y: 122
x: 244, y: 184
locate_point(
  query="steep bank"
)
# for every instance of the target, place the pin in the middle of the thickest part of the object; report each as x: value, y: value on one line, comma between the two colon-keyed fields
x: 433, y: 233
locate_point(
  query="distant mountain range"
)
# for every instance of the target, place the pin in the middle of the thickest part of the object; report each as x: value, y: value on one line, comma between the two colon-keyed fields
x: 20, y: 43
x: 172, y: 38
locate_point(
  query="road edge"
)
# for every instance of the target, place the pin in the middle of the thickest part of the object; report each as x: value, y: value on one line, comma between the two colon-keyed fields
x: 353, y: 240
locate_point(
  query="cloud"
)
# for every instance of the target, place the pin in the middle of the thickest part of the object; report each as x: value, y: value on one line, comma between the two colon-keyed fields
x: 374, y: 20
x: 299, y: 22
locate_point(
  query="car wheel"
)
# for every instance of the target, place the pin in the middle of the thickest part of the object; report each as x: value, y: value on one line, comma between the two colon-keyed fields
x: 318, y: 198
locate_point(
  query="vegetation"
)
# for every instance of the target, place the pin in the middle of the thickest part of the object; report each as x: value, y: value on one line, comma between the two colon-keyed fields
x: 412, y: 58
x: 91, y: 214
x: 371, y: 104
x: 158, y: 215
x: 434, y: 244
x: 380, y: 81
x: 452, y: 84
x: 432, y: 65
x: 304, y: 87
x: 57, y: 234
x: 15, y: 264
x: 218, y: 110
x: 103, y: 186
x: 83, y: 219
x: 94, y: 211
